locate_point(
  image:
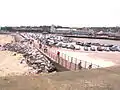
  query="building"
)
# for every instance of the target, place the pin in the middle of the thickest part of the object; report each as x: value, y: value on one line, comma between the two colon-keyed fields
x: 52, y: 29
x: 61, y: 30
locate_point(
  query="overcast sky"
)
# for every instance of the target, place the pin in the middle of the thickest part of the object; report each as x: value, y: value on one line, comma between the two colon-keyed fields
x: 60, y: 12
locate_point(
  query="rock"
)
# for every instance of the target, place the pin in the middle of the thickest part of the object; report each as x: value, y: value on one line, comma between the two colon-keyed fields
x: 32, y: 56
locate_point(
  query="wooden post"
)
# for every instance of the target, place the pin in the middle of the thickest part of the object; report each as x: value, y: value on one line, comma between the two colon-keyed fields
x: 71, y: 62
x: 65, y: 61
x: 62, y: 59
x: 75, y: 63
x: 85, y: 64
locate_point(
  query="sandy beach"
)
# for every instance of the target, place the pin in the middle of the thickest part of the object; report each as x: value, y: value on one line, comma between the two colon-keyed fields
x: 5, y: 39
x: 9, y: 64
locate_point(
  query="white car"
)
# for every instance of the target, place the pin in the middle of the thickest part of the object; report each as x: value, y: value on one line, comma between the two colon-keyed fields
x: 92, y: 48
x: 106, y: 49
x: 77, y: 47
x: 64, y: 45
x: 86, y: 48
x: 68, y: 45
x: 59, y: 44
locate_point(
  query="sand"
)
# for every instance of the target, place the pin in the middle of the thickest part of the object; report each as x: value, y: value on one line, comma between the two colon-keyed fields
x: 9, y: 64
x: 5, y: 39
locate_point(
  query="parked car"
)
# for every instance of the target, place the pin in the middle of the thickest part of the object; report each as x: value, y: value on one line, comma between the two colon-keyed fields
x: 92, y: 48
x: 64, y: 45
x: 99, y: 48
x: 108, y: 45
x: 95, y: 44
x: 80, y: 43
x: 102, y: 45
x: 77, y: 47
x: 118, y: 48
x: 106, y: 49
x: 113, y: 48
x: 86, y: 48
x: 58, y: 45
x: 87, y: 44
x: 72, y: 47
x: 68, y: 46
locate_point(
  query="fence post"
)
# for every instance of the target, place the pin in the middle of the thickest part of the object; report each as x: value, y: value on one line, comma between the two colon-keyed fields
x: 71, y: 62
x: 62, y: 59
x: 85, y: 64
x: 65, y: 61
x: 98, y: 66
x: 68, y: 59
x: 58, y: 59
x: 75, y: 63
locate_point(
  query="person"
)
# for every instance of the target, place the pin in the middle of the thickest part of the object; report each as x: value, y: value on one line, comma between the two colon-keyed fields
x: 31, y: 42
x: 40, y: 46
x: 45, y: 49
x: 21, y: 61
x: 50, y: 46
x: 58, y: 55
x: 90, y: 66
x: 79, y: 65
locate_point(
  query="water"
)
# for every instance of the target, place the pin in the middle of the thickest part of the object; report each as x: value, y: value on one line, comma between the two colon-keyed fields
x: 101, y: 41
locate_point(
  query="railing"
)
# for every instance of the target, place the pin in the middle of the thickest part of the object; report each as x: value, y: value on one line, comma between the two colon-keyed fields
x: 69, y: 62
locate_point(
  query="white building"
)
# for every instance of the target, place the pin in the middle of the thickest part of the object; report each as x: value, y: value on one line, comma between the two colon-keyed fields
x: 52, y: 29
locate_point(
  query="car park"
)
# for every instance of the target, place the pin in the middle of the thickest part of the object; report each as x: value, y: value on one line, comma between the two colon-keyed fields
x: 60, y: 41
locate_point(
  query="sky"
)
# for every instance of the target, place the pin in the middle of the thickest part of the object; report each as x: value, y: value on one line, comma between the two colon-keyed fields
x: 73, y: 13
